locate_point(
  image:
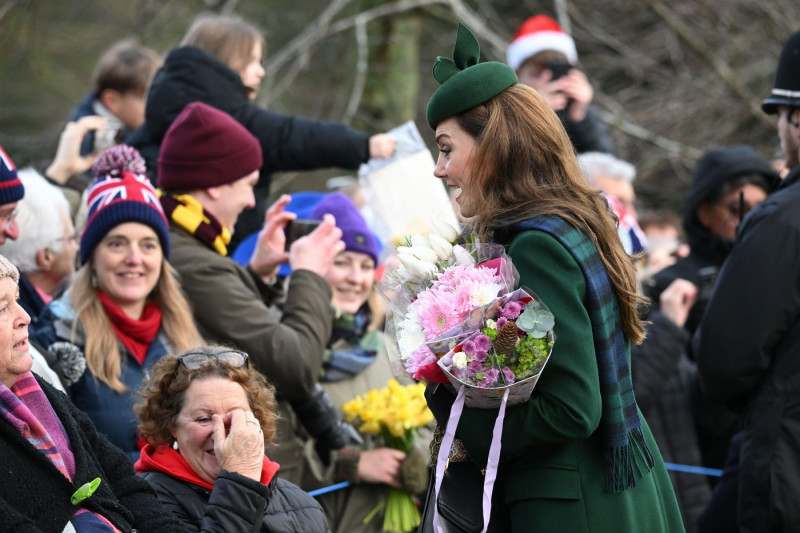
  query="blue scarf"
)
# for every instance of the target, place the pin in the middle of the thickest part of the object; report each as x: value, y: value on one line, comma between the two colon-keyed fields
x: 350, y: 350
x: 620, y: 423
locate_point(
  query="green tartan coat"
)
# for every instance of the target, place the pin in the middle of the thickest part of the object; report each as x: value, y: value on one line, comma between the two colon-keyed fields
x: 551, y: 469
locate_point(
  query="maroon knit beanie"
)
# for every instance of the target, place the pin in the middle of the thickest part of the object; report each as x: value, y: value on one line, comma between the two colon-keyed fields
x: 205, y: 147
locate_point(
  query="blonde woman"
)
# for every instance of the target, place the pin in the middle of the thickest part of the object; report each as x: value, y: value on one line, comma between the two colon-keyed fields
x: 125, y: 309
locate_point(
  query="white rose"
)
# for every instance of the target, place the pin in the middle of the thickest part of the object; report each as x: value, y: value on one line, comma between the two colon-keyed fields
x: 460, y: 360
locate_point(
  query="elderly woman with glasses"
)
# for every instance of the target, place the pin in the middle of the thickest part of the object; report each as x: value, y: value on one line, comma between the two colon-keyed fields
x: 206, y: 416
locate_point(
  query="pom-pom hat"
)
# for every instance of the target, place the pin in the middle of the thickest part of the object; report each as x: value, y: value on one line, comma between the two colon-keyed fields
x: 11, y: 188
x: 786, y: 90
x: 465, y: 83
x: 356, y: 234
x: 205, y: 147
x: 537, y: 34
x: 115, y: 200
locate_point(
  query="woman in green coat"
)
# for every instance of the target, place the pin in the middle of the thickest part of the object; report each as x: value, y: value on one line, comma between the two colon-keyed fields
x: 578, y: 455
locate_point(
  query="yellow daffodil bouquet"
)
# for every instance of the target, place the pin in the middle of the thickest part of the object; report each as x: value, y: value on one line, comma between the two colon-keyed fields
x: 395, y: 412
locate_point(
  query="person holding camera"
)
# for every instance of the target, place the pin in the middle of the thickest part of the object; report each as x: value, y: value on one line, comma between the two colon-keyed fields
x: 544, y: 57
x: 207, y: 169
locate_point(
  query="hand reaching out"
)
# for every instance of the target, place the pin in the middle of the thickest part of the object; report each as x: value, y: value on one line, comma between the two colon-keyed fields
x: 269, y: 251
x: 677, y: 300
x: 317, y: 250
x: 381, y: 465
x: 381, y: 146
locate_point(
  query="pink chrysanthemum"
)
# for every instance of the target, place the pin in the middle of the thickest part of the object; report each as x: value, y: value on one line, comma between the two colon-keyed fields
x: 483, y: 343
x: 511, y: 310
x: 419, y: 357
x: 509, y: 375
x: 490, y: 377
x: 501, y: 322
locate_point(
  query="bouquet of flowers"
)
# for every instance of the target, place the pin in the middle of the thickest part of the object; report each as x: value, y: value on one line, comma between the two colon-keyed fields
x: 457, y: 316
x: 395, y: 412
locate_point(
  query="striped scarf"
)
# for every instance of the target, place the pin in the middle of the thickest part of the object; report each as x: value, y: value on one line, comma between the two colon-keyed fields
x: 351, y: 349
x: 26, y: 408
x: 185, y: 211
x: 620, y: 423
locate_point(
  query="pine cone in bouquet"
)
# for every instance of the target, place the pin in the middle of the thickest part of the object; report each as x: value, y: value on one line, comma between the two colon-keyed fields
x: 506, y: 341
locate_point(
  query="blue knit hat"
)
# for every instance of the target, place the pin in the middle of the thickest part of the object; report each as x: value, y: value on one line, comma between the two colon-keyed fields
x: 11, y: 189
x: 115, y: 200
x: 356, y: 234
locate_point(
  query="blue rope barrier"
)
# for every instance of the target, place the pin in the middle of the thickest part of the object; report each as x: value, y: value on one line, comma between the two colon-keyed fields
x: 329, y: 488
x: 714, y: 472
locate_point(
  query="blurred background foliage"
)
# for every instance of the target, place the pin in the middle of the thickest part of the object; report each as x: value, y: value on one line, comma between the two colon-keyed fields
x: 672, y: 79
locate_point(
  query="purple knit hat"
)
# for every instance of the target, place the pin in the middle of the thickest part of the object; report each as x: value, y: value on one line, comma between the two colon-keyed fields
x: 356, y: 234
x: 11, y: 189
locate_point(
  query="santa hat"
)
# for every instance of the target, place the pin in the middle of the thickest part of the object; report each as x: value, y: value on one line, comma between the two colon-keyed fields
x: 537, y: 34
x: 11, y: 189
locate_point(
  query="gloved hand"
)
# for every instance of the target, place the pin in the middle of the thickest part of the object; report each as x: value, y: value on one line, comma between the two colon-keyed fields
x: 67, y: 360
x: 322, y: 422
x: 415, y: 471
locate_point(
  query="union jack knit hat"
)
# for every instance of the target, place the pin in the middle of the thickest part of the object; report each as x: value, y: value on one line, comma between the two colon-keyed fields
x: 114, y: 200
x: 11, y: 189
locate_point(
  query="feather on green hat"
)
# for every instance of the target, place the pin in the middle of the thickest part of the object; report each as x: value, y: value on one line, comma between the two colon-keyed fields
x: 464, y: 81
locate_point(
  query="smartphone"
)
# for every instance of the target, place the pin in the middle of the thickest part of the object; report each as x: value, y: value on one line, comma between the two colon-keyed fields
x: 559, y: 68
x: 104, y: 138
x: 299, y: 228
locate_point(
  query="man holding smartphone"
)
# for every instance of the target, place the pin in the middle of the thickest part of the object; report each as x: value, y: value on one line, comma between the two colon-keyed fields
x: 207, y: 169
x: 543, y: 57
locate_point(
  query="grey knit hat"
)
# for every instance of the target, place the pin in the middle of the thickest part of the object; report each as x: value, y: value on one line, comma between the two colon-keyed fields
x: 8, y: 270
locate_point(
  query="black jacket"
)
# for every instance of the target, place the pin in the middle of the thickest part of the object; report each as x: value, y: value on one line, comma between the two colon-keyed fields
x: 288, y: 142
x: 35, y: 495
x: 239, y: 504
x: 664, y: 380
x: 748, y: 354
x: 588, y: 135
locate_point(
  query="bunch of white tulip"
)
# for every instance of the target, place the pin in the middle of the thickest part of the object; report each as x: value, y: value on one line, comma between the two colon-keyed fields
x: 424, y: 257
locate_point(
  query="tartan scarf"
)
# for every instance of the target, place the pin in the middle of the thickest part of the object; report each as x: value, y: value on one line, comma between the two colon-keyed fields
x: 620, y: 423
x: 26, y: 408
x: 185, y: 211
x: 350, y: 350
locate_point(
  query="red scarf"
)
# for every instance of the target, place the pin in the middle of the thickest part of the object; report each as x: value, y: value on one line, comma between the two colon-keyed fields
x: 135, y: 335
x: 168, y: 461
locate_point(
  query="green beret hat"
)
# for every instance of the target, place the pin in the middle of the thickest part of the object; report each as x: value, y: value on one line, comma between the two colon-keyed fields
x: 465, y: 82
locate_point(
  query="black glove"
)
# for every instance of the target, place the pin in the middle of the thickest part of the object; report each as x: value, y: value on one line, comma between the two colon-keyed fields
x: 322, y: 422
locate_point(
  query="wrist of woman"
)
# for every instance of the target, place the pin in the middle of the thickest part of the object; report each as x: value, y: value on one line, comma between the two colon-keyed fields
x: 347, y: 464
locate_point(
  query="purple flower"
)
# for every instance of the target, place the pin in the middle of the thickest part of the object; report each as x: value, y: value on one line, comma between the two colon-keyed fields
x: 509, y: 375
x: 468, y: 348
x: 512, y: 310
x: 483, y: 343
x: 491, y: 376
x: 501, y: 322
x: 473, y: 368
x: 480, y: 357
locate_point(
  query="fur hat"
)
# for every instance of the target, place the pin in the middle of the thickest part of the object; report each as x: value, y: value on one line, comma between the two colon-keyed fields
x: 786, y: 90
x: 537, y: 34
x: 465, y: 83
x: 113, y: 201
x: 205, y: 147
x: 356, y: 234
x: 7, y: 270
x: 11, y: 189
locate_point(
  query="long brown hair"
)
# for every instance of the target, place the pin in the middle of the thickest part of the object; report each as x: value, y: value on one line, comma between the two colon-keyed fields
x: 103, y: 358
x: 229, y: 39
x: 526, y: 166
